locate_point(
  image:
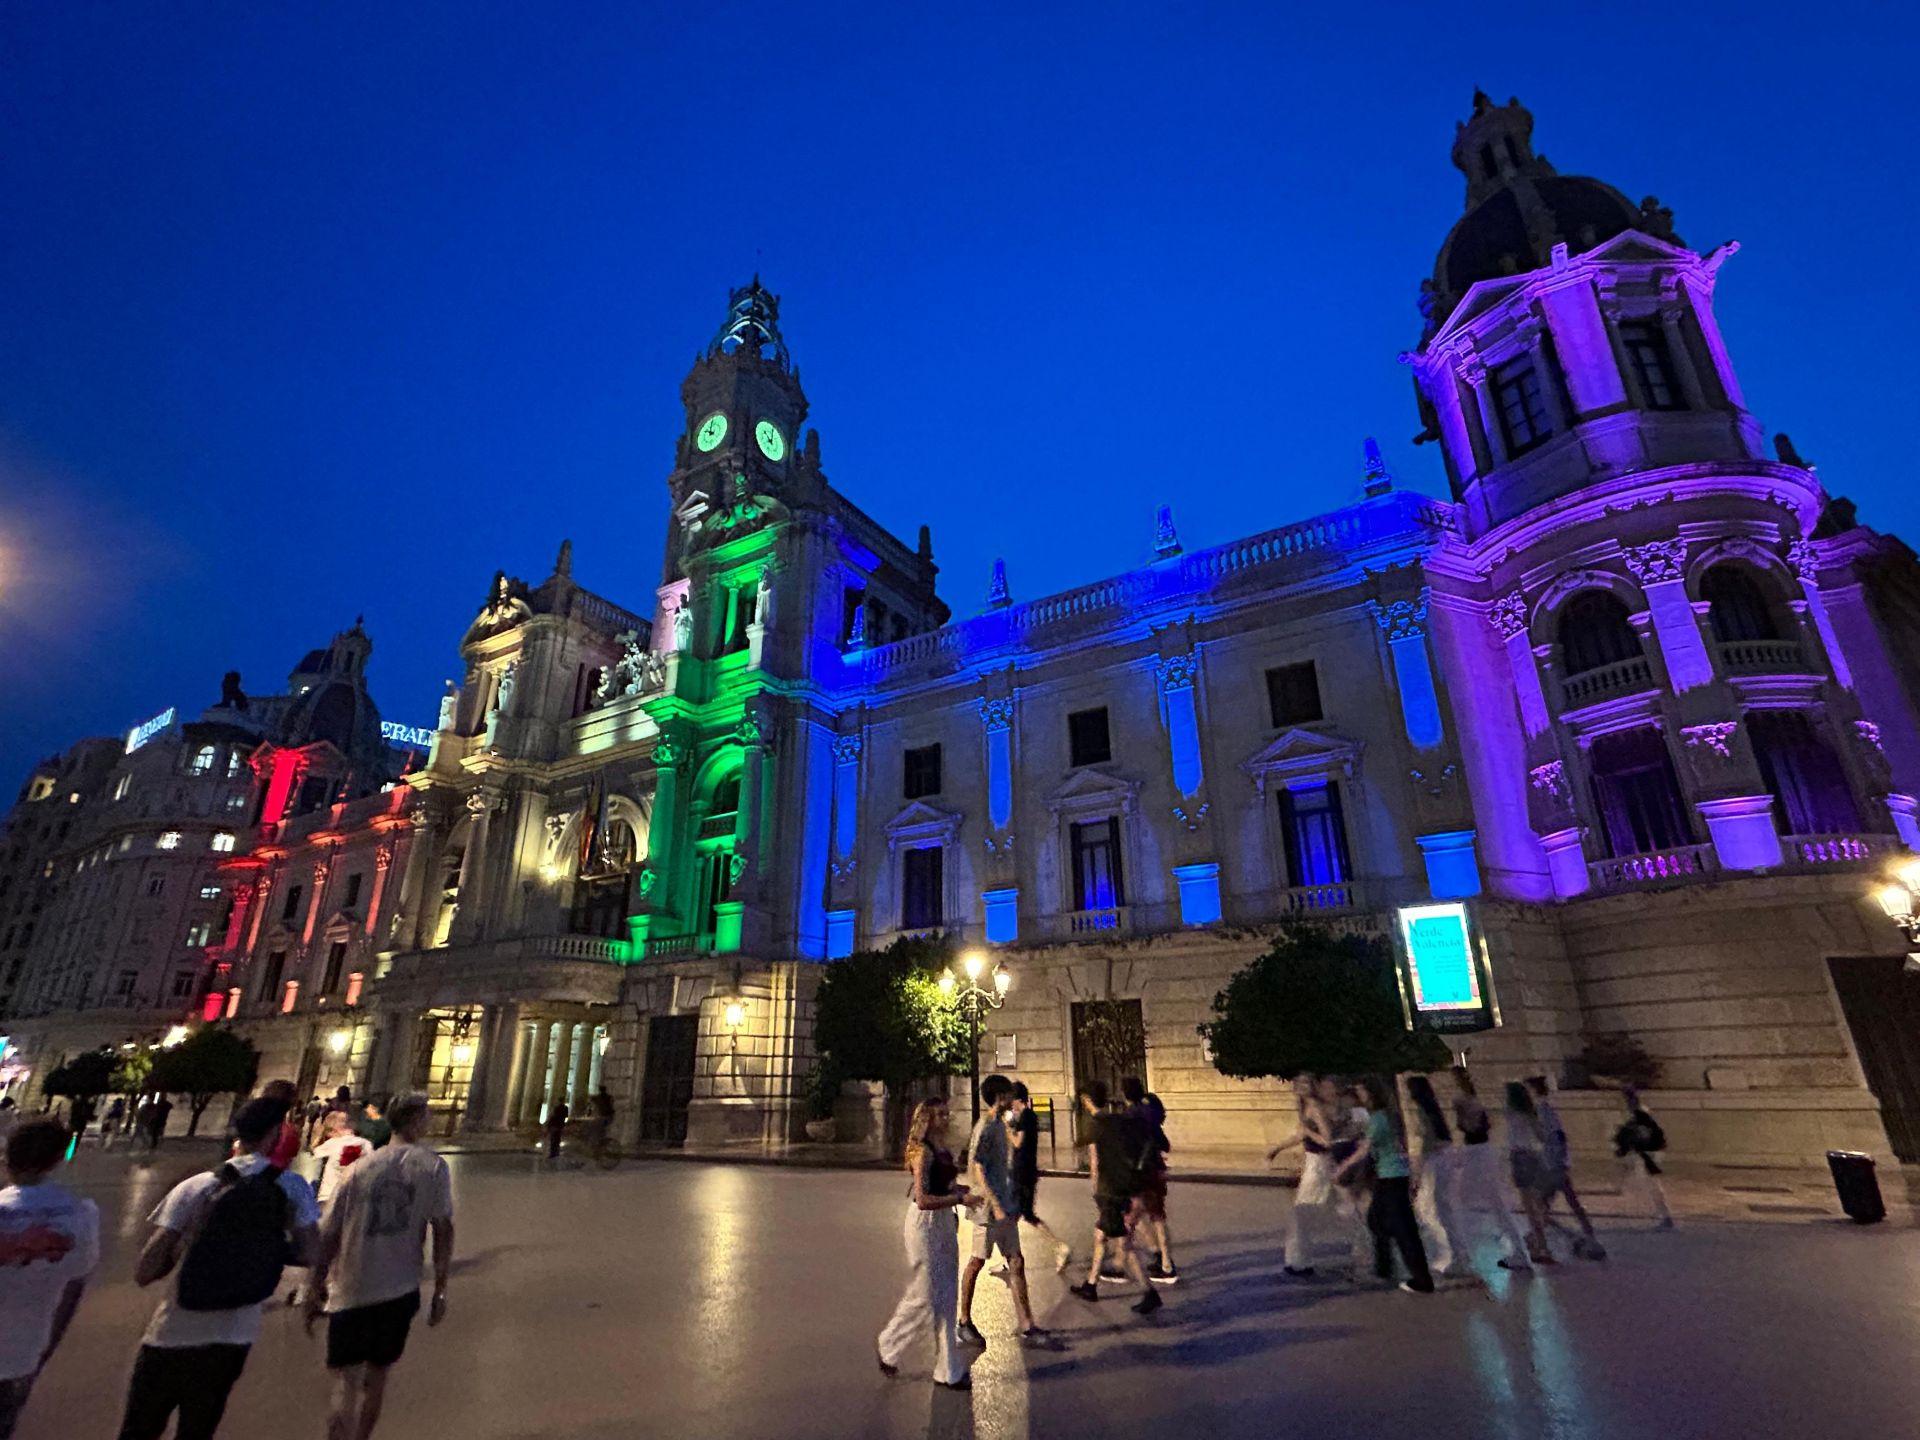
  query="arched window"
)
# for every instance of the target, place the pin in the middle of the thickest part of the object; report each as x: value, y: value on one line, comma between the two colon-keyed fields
x: 1595, y: 632
x: 622, y: 846
x: 202, y: 763
x: 726, y: 797
x: 1737, y: 607
x: 1637, y: 793
x: 1811, y: 795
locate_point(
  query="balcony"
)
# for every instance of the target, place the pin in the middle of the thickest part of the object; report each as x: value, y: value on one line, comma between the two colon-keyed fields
x: 1652, y: 868
x: 1623, y: 677
x: 1762, y: 657
x: 1822, y: 852
x: 669, y: 947
x: 1311, y: 901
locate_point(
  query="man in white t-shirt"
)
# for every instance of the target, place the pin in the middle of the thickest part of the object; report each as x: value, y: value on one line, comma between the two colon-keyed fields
x: 367, y: 1276
x: 49, y: 1245
x: 190, y: 1358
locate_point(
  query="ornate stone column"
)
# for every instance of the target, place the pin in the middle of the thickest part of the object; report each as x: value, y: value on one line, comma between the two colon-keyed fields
x: 1660, y: 566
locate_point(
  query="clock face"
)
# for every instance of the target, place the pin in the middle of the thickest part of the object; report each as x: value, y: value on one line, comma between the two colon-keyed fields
x: 712, y: 431
x: 773, y: 444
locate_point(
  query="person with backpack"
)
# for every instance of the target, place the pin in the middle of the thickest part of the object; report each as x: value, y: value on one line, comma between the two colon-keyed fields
x: 224, y: 1237
x: 1151, y: 1116
x: 1115, y: 1146
x: 367, y: 1275
x: 1636, y: 1143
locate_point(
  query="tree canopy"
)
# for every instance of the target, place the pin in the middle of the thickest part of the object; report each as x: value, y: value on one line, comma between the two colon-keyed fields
x: 83, y: 1076
x: 207, y: 1063
x: 1318, y: 1003
x: 879, y: 1015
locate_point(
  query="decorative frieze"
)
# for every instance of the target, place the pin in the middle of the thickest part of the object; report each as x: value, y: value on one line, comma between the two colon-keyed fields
x: 1657, y: 561
x: 846, y: 749
x: 997, y: 713
x: 1179, y: 672
x: 1402, y: 619
x: 1805, y: 561
x: 1714, y: 735
x: 1550, y: 778
x: 1509, y: 614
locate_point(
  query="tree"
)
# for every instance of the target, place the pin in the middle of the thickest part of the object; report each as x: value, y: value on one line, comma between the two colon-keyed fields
x: 879, y: 1015
x: 130, y: 1074
x: 1321, y: 1004
x: 207, y: 1063
x: 83, y: 1076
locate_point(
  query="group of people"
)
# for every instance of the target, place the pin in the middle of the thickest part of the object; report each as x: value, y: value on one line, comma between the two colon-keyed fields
x: 220, y: 1242
x: 1420, y: 1202
x: 1127, y: 1148
x: 142, y: 1123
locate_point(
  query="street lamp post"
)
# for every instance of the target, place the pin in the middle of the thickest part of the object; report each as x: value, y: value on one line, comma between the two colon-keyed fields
x: 976, y: 1000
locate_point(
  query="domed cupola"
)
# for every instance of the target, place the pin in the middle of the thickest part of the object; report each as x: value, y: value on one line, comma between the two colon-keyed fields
x: 1519, y: 208
x: 331, y: 704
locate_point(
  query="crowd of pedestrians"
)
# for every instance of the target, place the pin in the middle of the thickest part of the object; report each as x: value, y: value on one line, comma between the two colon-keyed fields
x: 219, y: 1243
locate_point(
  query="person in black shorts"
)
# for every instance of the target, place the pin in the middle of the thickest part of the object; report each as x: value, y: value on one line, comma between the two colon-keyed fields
x: 1024, y: 1127
x: 1115, y: 1144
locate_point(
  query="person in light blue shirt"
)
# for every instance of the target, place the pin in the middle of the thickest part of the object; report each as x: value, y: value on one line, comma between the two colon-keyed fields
x: 996, y: 1225
x: 1390, y: 1216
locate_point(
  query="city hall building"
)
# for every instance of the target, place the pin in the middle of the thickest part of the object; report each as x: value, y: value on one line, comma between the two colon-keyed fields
x: 1638, y: 697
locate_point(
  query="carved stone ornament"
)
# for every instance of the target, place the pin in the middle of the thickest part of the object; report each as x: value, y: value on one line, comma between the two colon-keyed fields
x: 1435, y: 786
x: 736, y: 867
x: 846, y: 749
x: 1402, y: 619
x: 1509, y: 614
x: 753, y: 728
x: 1657, y: 561
x: 1804, y: 559
x: 383, y: 859
x: 665, y: 752
x: 1192, y: 818
x: 1001, y: 846
x: 1714, y: 735
x: 1178, y: 672
x: 649, y: 877
x: 320, y: 873
x: 1550, y: 778
x: 638, y: 669
x: 997, y: 713
x: 1869, y: 734
x: 483, y: 802
x: 845, y: 867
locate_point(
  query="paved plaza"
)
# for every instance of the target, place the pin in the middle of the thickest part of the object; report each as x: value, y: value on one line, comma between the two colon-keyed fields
x: 690, y: 1299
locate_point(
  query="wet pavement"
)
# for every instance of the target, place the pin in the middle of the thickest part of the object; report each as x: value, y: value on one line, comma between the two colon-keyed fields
x: 688, y: 1299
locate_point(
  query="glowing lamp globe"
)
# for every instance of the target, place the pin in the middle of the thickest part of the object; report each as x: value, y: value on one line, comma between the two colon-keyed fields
x: 1002, y: 981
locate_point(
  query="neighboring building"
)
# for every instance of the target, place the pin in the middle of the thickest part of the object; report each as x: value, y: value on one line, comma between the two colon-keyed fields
x: 138, y: 893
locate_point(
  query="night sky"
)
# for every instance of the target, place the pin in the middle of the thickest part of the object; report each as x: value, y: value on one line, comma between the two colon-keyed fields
x: 309, y: 311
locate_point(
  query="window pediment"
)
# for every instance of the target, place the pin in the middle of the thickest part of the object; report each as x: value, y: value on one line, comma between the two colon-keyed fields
x: 1093, y: 787
x: 1302, y: 754
x: 922, y: 824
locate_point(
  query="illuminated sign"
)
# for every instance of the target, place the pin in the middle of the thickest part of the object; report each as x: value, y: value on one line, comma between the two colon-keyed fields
x: 141, y: 734
x: 1440, y: 960
x: 417, y: 737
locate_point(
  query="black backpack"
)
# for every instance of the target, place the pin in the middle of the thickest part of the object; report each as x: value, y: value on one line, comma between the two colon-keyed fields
x: 237, y: 1257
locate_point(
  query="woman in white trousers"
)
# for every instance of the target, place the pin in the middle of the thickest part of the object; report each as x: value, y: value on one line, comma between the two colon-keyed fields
x: 932, y: 1296
x: 1437, y: 1175
x: 1480, y: 1178
x: 1318, y: 1100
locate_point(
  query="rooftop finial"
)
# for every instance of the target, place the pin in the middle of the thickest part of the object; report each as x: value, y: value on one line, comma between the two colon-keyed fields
x: 997, y: 597
x: 1378, y: 480
x: 1166, y: 540
x: 752, y: 323
x: 563, y: 562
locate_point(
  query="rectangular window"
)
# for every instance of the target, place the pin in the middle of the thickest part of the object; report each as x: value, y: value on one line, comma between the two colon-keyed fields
x: 237, y: 801
x: 182, y: 984
x: 123, y: 987
x: 1088, y: 741
x: 353, y: 890
x: 336, y: 963
x: 1293, y: 695
x: 1314, y: 833
x: 923, y: 772
x: 202, y: 762
x: 169, y: 841
x: 1522, y: 405
x: 290, y: 997
x: 922, y: 899
x: 1097, y: 880
x: 1652, y: 362
x: 156, y: 884
x: 292, y: 906
x: 209, y: 892
x: 222, y: 841
x: 270, y: 976
x: 198, y: 933
x: 121, y: 786
x: 354, y: 982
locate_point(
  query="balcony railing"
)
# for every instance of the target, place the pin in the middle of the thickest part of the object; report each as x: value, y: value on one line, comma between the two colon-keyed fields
x: 1655, y: 867
x: 1824, y: 850
x: 1623, y: 677
x: 1113, y: 919
x: 1311, y: 900
x: 1770, y: 657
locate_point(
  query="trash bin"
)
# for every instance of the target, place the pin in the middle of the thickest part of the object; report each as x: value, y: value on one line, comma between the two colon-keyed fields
x: 1858, y: 1186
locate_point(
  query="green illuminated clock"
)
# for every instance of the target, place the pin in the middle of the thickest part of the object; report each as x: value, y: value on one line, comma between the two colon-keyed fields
x: 773, y: 444
x: 712, y: 431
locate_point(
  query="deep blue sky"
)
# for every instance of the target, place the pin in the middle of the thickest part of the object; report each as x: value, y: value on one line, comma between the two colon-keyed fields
x: 320, y: 309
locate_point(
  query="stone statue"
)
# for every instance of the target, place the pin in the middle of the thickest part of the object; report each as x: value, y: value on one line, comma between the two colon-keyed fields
x: 509, y: 677
x: 448, y: 702
x: 683, y: 628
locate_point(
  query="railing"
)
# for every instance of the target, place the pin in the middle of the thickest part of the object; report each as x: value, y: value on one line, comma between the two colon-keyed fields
x: 1838, y: 849
x: 669, y: 945
x: 1779, y: 657
x: 1113, y: 919
x: 1320, y: 899
x: 591, y: 607
x: 1620, y: 678
x: 1654, y: 867
x: 716, y: 827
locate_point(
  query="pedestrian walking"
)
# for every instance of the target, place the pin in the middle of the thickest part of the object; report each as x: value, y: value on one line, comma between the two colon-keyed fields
x: 1390, y: 1213
x: 1116, y: 1148
x: 285, y: 1147
x: 932, y: 1240
x: 1559, y: 1173
x: 223, y: 1236
x: 599, y: 1121
x: 1636, y: 1143
x: 1315, y: 1189
x: 1482, y: 1184
x: 1527, y: 1162
x: 1436, y: 1183
x: 556, y: 1129
x: 1023, y: 1131
x: 1151, y: 1116
x: 338, y: 1148
x: 373, y: 1126
x: 996, y: 1223
x: 49, y: 1245
x: 113, y: 1122
x: 157, y: 1118
x: 367, y: 1276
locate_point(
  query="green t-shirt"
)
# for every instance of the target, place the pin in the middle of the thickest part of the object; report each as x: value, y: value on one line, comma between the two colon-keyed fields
x: 1389, y: 1155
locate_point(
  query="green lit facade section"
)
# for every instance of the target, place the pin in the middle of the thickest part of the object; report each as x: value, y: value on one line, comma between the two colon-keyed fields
x: 773, y: 444
x: 712, y: 431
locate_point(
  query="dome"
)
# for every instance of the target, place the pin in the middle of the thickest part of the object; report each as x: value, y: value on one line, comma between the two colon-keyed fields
x: 1519, y: 208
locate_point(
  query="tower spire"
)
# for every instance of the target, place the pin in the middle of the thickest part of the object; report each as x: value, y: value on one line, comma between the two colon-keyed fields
x: 752, y: 323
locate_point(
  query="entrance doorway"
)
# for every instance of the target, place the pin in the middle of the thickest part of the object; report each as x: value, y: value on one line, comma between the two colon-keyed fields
x: 666, y: 1089
x: 443, y: 1058
x: 1882, y: 1005
x: 1109, y: 1042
